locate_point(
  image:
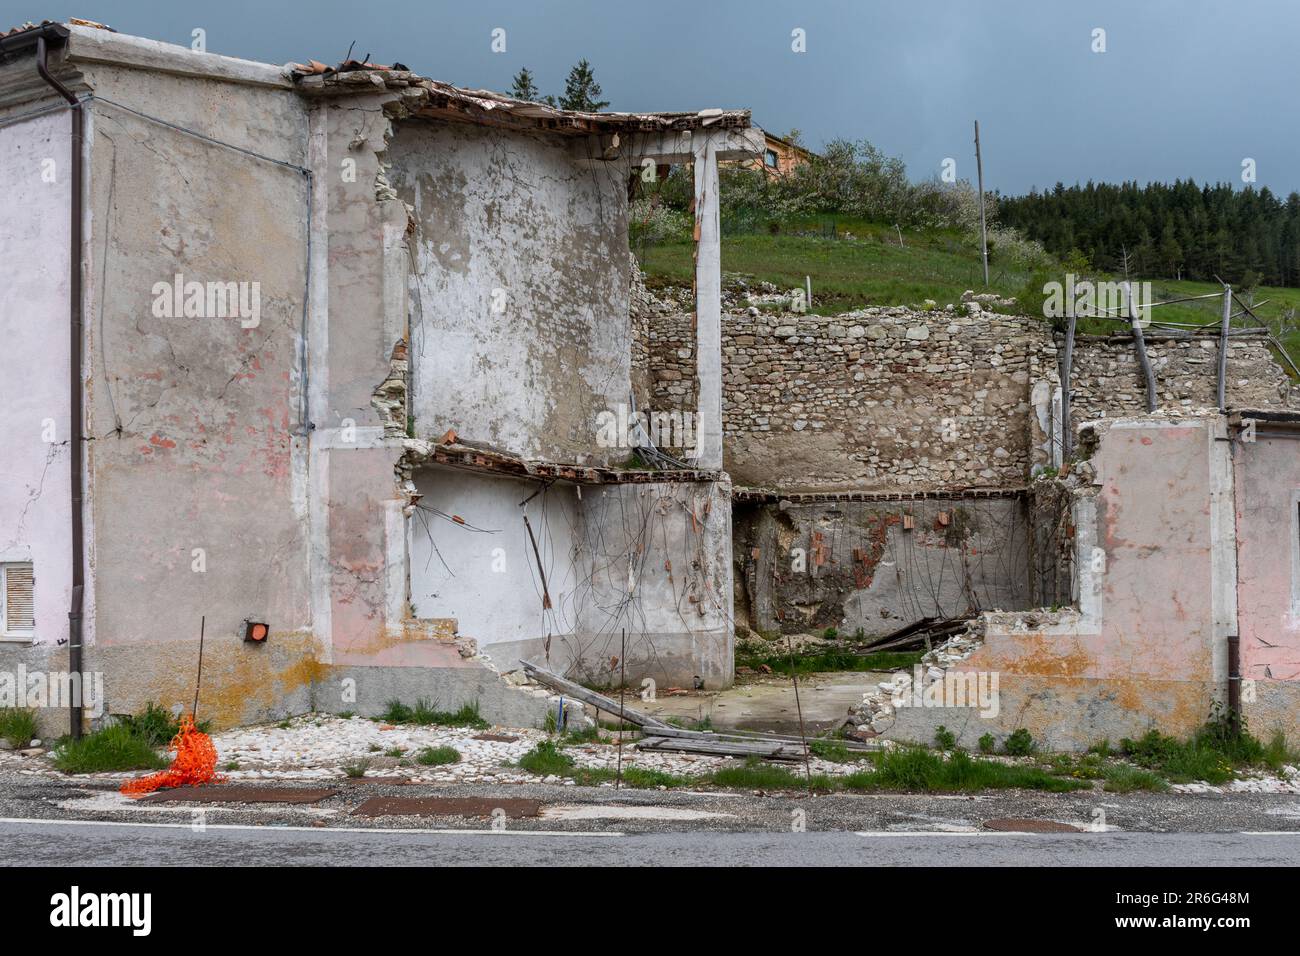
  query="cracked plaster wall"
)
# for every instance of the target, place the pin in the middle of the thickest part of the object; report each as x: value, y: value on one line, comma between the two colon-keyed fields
x: 520, y: 289
x: 34, y: 478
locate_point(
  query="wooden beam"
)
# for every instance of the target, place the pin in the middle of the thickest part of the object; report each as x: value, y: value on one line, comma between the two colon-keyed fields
x: 681, y: 147
x: 591, y: 697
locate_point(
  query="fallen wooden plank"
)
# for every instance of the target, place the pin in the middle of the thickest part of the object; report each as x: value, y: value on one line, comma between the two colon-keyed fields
x: 771, y: 750
x: 745, y: 735
x: 599, y: 701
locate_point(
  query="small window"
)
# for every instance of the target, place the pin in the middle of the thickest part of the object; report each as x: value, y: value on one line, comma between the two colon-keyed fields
x: 770, y: 158
x: 17, y: 605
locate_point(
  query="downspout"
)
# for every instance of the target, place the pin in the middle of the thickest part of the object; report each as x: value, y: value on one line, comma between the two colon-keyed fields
x: 74, y: 384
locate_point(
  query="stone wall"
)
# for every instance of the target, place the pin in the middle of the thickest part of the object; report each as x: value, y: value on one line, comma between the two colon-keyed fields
x: 899, y: 399
x: 1107, y: 382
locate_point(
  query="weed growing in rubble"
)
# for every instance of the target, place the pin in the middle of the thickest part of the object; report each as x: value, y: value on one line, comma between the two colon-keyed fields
x: 832, y: 750
x: 756, y: 774
x: 117, y: 747
x: 357, y: 769
x: 988, y: 743
x: 157, y: 726
x: 395, y: 752
x: 437, y: 756
x: 18, y: 726
x: 647, y: 779
x: 1222, y: 746
x: 1019, y: 743
x: 1086, y: 767
x: 944, y: 738
x: 426, y: 714
x: 546, y: 759
x: 916, y: 768
x: 587, y: 735
x: 1122, y: 778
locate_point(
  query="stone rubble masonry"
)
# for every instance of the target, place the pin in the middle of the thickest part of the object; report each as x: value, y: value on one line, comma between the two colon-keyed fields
x: 892, y: 398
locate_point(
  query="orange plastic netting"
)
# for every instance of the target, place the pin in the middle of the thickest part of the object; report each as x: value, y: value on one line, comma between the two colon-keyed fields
x: 195, y: 762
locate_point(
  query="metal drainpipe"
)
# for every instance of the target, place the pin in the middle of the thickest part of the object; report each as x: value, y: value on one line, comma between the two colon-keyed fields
x: 74, y: 382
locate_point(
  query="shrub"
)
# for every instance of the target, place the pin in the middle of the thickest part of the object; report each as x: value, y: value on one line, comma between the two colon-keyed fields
x: 652, y: 221
x: 1019, y: 744
x: 944, y: 738
x: 988, y: 743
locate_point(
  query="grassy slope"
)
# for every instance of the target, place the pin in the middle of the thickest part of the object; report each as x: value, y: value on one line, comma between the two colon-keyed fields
x: 874, y: 269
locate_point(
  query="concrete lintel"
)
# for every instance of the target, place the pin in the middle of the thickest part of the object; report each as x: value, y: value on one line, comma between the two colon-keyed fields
x: 682, y: 147
x: 91, y: 45
x: 708, y: 304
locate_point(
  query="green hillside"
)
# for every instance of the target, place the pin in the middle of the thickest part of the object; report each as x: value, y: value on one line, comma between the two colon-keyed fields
x: 865, y: 265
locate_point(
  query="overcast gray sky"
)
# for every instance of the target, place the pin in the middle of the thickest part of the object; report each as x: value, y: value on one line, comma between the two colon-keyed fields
x: 1183, y: 89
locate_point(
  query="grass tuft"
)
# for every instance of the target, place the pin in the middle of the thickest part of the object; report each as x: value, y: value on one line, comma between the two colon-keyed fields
x: 546, y: 759
x: 114, y: 748
x: 437, y: 756
x: 18, y: 726
x: 426, y: 714
x: 1123, y: 778
x: 356, y: 769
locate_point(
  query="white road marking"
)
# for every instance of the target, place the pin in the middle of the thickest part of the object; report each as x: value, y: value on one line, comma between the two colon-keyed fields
x: 278, y: 829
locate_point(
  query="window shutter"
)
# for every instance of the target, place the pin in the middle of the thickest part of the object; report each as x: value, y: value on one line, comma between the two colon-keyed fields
x: 20, y: 611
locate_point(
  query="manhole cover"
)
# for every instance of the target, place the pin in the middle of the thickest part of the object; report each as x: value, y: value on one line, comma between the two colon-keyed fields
x: 496, y: 738
x: 238, y: 794
x: 1025, y: 825
x: 446, y: 807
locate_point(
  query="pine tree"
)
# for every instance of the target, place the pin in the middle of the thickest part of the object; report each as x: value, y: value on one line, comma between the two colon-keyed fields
x: 524, y: 88
x: 581, y: 91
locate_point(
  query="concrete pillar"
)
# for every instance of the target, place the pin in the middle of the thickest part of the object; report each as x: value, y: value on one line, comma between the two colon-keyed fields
x: 708, y: 305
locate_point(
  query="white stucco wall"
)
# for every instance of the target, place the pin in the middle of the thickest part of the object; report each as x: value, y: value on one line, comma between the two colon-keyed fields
x: 519, y: 313
x: 34, y: 477
x: 495, y: 598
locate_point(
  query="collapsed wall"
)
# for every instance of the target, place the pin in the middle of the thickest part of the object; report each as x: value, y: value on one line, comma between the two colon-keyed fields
x: 867, y: 567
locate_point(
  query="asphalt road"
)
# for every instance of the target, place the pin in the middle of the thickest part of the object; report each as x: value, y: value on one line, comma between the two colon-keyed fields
x: 54, y: 843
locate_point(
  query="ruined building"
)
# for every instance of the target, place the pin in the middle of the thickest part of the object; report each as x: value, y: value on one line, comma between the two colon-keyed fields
x: 897, y: 464
x: 344, y: 371
x: 341, y: 340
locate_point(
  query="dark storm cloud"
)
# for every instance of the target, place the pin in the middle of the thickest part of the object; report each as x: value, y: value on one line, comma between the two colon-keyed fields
x: 1184, y: 89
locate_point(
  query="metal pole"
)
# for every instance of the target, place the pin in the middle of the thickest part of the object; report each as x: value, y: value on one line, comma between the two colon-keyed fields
x: 1223, y: 347
x: 794, y: 676
x: 622, y: 688
x: 984, y: 232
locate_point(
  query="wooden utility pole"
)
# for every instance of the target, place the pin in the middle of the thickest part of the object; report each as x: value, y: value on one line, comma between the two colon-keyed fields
x: 984, y: 232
